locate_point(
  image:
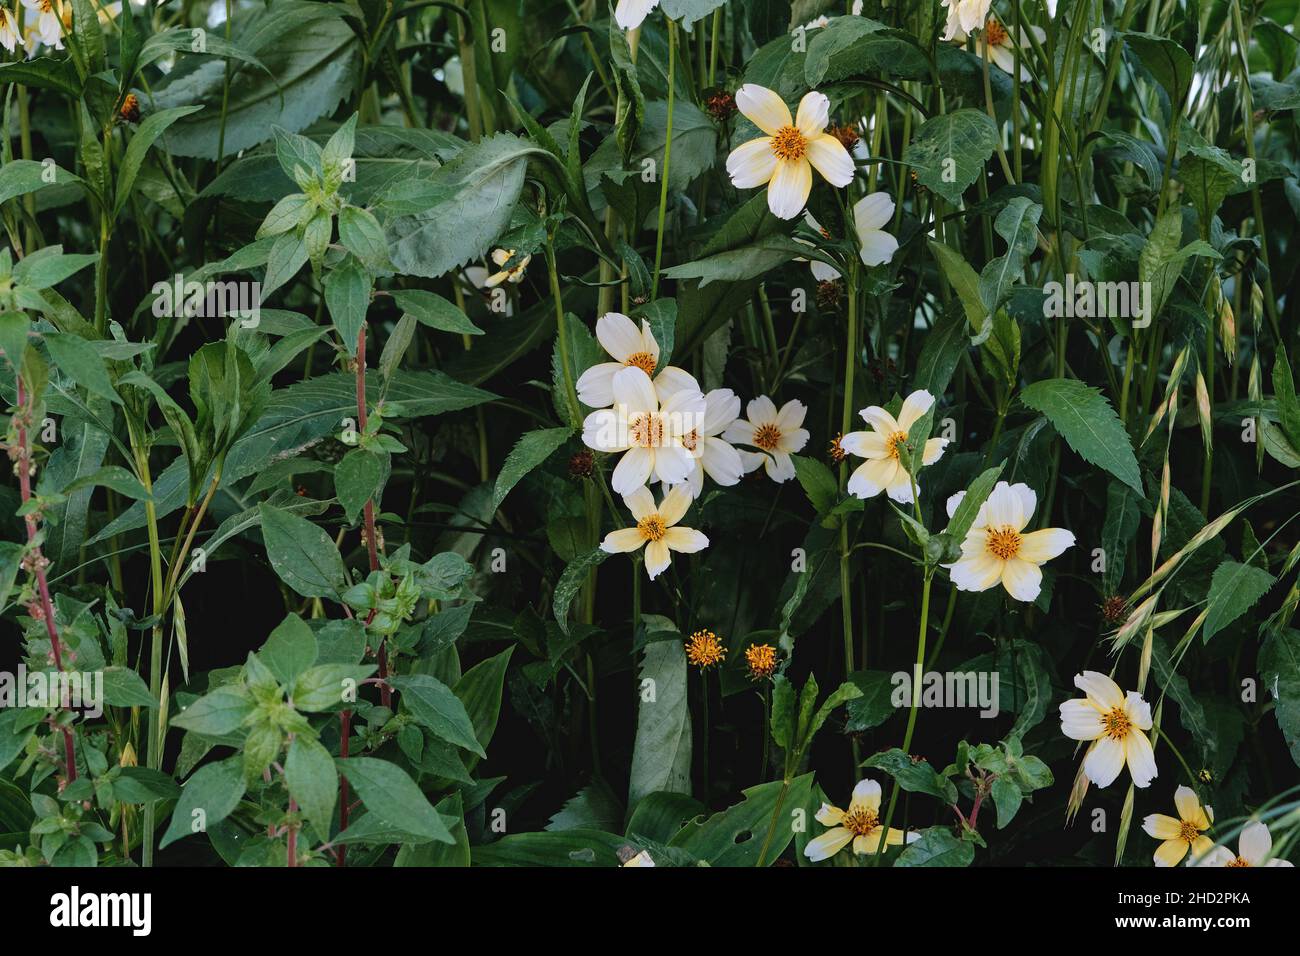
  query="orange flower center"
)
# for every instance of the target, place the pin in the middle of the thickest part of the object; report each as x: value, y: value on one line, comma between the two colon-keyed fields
x: 691, y: 440
x: 1004, y: 542
x: 1239, y: 861
x: 892, y: 443
x: 1116, y: 723
x: 861, y: 821
x: 767, y: 437
x: 994, y: 32
x: 642, y: 360
x: 1188, y: 831
x: 647, y: 430
x: 652, y: 527
x: 789, y: 144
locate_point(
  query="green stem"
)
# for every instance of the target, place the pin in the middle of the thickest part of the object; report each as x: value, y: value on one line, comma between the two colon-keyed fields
x: 668, y: 149
x: 916, y: 703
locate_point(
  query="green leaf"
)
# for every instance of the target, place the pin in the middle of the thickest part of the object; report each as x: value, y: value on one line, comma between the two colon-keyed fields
x: 1284, y: 391
x: 1279, y: 668
x: 1234, y: 589
x: 313, y: 781
x: 110, y: 476
x: 358, y: 479
x: 661, y: 753
x: 433, y: 704
x: 1168, y: 62
x: 302, y: 554
x: 531, y: 450
x: 968, y: 509
x: 78, y: 359
x: 1085, y: 419
x: 363, y: 236
x: 347, y: 293
x: 821, y: 487
x: 949, y: 151
x: 154, y: 125
x: 1006, y: 798
x: 735, y: 836
x: 480, y: 691
x: 290, y: 650
x: 917, y: 777
x: 327, y: 686
x: 966, y: 283
x: 392, y: 796
x: 937, y: 847
x: 207, y: 798
x: 19, y: 177
x: 123, y: 687
x: 571, y: 581
x: 217, y: 713
x: 49, y: 266
x: 458, y: 213
x: 434, y: 311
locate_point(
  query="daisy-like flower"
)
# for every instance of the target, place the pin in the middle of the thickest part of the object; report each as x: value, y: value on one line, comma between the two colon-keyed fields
x: 9, y: 35
x: 1115, y: 723
x: 1181, y: 833
x: 784, y: 158
x: 998, y: 549
x: 870, y: 214
x: 513, y: 274
x: 713, y: 454
x: 778, y: 435
x: 628, y: 346
x: 882, y: 470
x: 48, y: 27
x: 761, y: 661
x: 994, y: 40
x: 964, y: 16
x: 657, y: 529
x: 859, y: 824
x: 630, y: 14
x: 704, y: 650
x: 1253, y: 849
x: 648, y: 433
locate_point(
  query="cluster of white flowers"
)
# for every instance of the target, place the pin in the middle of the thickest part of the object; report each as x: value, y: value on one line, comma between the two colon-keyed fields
x: 666, y: 429
x: 44, y: 26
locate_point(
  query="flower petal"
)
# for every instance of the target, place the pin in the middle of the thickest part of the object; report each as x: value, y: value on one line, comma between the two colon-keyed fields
x: 877, y: 248
x: 634, y: 390
x: 871, y: 212
x: 752, y: 164
x: 828, y: 844
x: 1140, y: 757
x: 673, y: 508
x: 686, y: 540
x: 721, y: 461
x: 1043, y: 545
x: 1081, y: 720
x: 872, y: 477
x: 829, y: 157
x: 975, y: 572
x: 866, y: 795
x: 673, y: 464
x: 787, y: 193
x: 1100, y: 689
x: 914, y: 407
x: 640, y: 502
x: 1022, y: 579
x: 813, y: 114
x: 1162, y: 826
x: 619, y: 336
x: 622, y: 541
x: 657, y: 558
x: 1104, y: 761
x: 865, y: 444
x: 1171, y: 852
x: 791, y: 415
x: 633, y: 470
x: 828, y: 815
x: 1255, y: 843
x: 763, y: 108
x: 604, y: 431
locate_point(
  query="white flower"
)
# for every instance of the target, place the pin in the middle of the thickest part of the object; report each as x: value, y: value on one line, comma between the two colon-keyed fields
x: 714, y: 454
x: 650, y: 433
x: 778, y: 435
x: 9, y: 35
x: 870, y: 214
x: 857, y: 8
x: 1253, y: 849
x: 48, y: 28
x: 1181, y: 833
x: 859, y: 825
x: 1114, y: 723
x: 656, y: 529
x: 629, y: 14
x: 820, y: 270
x: 995, y: 39
x: 964, y: 15
x: 785, y: 157
x: 477, y: 277
x: 998, y: 549
x: 629, y: 347
x: 513, y: 274
x: 882, y: 471
x: 818, y: 23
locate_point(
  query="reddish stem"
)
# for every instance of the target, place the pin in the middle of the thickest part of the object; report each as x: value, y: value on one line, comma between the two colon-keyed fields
x: 38, y: 563
x: 345, y: 730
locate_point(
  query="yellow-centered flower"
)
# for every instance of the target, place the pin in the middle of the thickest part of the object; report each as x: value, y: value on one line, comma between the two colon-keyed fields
x: 860, y: 825
x: 1115, y: 723
x: 1254, y: 848
x: 1181, y: 833
x: 704, y: 650
x: 656, y: 528
x: 883, y: 471
x: 785, y: 157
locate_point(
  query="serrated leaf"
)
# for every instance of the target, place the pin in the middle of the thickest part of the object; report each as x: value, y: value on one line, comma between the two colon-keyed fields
x: 1088, y: 423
